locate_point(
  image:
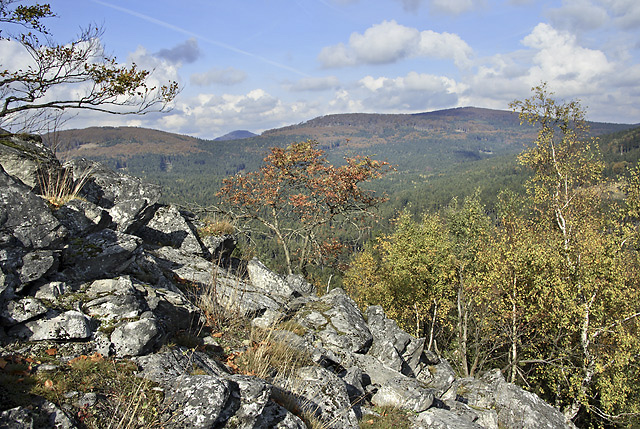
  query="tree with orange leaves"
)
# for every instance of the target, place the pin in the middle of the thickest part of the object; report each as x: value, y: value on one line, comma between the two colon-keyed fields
x: 297, y: 194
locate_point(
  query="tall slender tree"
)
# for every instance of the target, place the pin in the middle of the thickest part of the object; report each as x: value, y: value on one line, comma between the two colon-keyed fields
x: 592, y: 320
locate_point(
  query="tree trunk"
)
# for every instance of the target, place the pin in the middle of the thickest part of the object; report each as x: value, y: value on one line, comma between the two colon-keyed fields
x: 276, y: 229
x: 514, y: 334
x: 589, y: 362
x: 462, y: 328
x: 433, y: 324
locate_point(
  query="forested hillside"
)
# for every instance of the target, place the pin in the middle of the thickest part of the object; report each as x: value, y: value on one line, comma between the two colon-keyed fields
x: 437, y: 155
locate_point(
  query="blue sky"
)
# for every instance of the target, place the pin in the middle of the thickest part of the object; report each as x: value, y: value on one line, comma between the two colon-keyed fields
x: 256, y: 65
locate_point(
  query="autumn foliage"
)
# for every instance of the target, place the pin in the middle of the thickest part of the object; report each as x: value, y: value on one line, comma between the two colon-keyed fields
x: 546, y: 288
x: 298, y: 196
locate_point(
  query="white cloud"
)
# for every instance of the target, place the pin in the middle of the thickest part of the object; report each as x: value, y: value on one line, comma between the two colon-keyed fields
x: 384, y: 43
x: 211, y: 115
x: 411, y: 93
x: 444, y: 45
x: 559, y: 58
x: 227, y: 76
x: 389, y: 42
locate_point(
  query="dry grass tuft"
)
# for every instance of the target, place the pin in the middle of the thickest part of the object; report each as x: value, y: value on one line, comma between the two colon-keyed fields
x: 268, y: 357
x: 214, y: 226
x: 59, y: 187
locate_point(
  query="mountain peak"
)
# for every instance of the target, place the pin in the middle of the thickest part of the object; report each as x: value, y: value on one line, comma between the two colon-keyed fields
x: 236, y: 135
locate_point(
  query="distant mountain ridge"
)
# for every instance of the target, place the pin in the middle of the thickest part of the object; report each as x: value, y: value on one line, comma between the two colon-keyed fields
x: 236, y: 135
x: 424, y: 147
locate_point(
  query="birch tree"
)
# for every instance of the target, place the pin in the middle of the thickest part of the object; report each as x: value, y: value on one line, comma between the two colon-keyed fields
x: 595, y: 309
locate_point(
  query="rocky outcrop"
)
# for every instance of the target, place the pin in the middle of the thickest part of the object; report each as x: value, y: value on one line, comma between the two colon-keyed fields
x: 116, y: 274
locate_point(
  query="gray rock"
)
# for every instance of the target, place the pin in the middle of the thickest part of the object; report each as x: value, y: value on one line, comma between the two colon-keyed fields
x: 7, y: 287
x: 404, y: 392
x: 52, y: 290
x: 105, y: 253
x: 394, y: 388
x: 128, y: 200
x: 437, y: 418
x: 163, y: 367
x: 82, y: 217
x: 112, y: 300
x: 268, y: 282
x: 135, y: 338
x: 169, y: 228
x: 22, y: 311
x: 250, y: 397
x: 219, y: 247
x: 323, y: 394
x: 193, y: 270
x: 115, y: 307
x: 302, y: 287
x: 36, y: 264
x: 354, y: 381
x: 168, y: 265
x: 347, y: 331
x: 26, y: 218
x: 516, y: 407
x: 68, y: 326
x: 236, y: 295
x: 277, y: 417
x: 438, y: 376
x: 41, y: 415
x: 26, y: 158
x: 393, y: 346
x: 172, y: 309
x: 269, y: 319
x: 384, y: 350
x: 197, y: 401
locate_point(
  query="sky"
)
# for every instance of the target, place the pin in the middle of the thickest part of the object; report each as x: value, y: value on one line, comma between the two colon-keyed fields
x: 262, y: 64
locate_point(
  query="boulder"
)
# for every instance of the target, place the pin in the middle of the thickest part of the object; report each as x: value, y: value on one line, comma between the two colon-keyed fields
x: 26, y: 158
x: 23, y: 310
x: 168, y: 227
x: 82, y: 217
x: 219, y: 247
x: 335, y: 323
x: 323, y: 394
x: 515, y: 406
x: 197, y: 401
x: 105, y: 253
x: 37, y: 264
x: 42, y: 415
x: 393, y: 346
x: 403, y: 392
x: 268, y: 282
x: 129, y: 201
x: 135, y: 338
x: 68, y: 326
x: 438, y: 418
x: 25, y: 218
